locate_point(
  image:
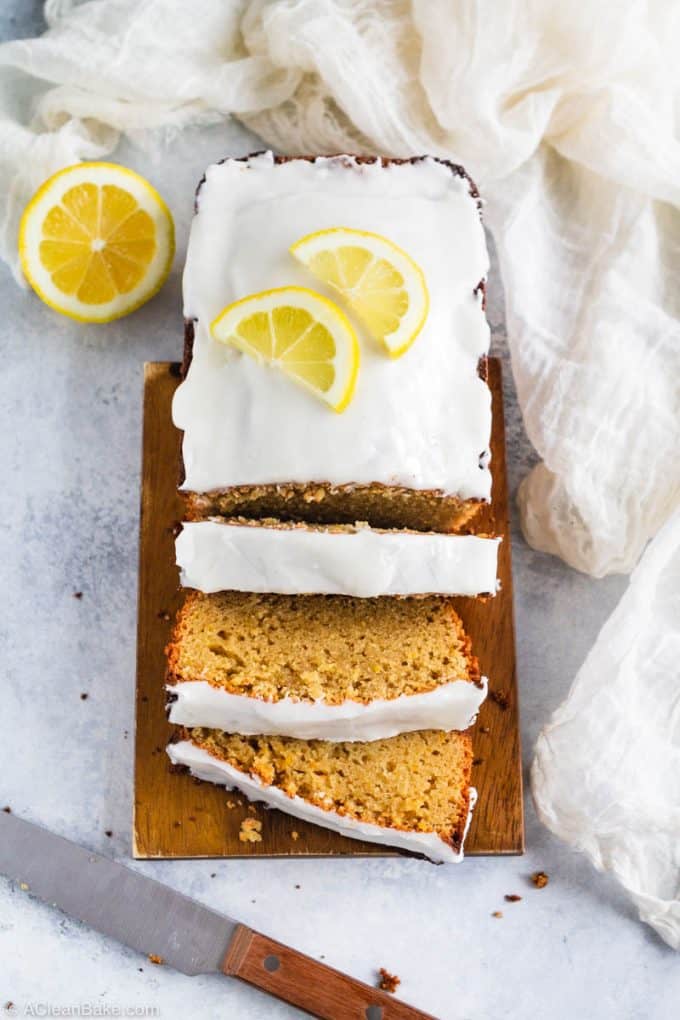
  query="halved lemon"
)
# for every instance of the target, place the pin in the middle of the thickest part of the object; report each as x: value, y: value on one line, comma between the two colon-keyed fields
x: 302, y: 333
x: 381, y: 283
x: 96, y: 241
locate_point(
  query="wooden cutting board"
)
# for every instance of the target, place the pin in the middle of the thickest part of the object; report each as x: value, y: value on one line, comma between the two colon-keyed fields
x: 174, y: 816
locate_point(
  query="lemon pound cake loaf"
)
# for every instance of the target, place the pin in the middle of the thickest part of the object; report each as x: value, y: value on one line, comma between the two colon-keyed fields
x: 296, y: 558
x: 321, y: 666
x: 363, y: 282
x: 411, y: 792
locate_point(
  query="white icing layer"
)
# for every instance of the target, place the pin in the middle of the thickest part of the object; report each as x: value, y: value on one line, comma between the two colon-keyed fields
x: 214, y: 556
x: 420, y: 421
x: 451, y: 706
x: 205, y: 766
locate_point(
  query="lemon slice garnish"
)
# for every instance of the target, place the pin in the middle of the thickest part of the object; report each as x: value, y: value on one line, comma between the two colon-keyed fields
x: 381, y: 283
x: 302, y: 333
x: 96, y: 241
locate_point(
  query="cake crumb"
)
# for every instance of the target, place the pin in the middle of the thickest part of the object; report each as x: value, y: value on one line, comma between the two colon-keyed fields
x: 108, y: 832
x: 9, y: 1007
x: 230, y: 804
x: 158, y: 960
x: 540, y: 879
x: 250, y: 831
x: 314, y: 495
x: 7, y: 809
x: 84, y: 696
x: 477, y: 761
x: 298, y: 886
x: 164, y: 615
x: 213, y: 874
x: 295, y: 835
x: 497, y: 913
x: 500, y: 698
x: 484, y: 729
x: 388, y: 982
x: 24, y: 886
x: 252, y: 810
x: 512, y: 898
x: 78, y: 595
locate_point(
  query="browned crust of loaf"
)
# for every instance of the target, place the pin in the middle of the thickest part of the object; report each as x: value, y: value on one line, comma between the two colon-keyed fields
x: 187, y: 349
x: 455, y: 168
x: 172, y: 649
x: 454, y: 838
x: 474, y: 671
x: 393, y: 507
x: 173, y: 675
x: 334, y: 529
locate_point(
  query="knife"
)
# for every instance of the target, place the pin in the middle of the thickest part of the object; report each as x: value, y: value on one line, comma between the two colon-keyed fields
x: 161, y: 923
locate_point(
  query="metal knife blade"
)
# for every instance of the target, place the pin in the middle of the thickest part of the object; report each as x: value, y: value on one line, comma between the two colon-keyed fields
x: 113, y: 899
x: 193, y: 939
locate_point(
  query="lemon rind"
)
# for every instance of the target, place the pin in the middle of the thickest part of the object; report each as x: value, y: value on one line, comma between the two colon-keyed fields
x: 351, y: 232
x: 312, y: 297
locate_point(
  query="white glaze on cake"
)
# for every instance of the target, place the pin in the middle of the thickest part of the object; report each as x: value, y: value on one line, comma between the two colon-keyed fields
x: 206, y: 766
x: 422, y: 420
x: 215, y: 556
x: 451, y: 706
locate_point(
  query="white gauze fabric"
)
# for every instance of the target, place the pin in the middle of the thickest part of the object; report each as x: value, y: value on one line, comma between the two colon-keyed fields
x: 567, y: 116
x: 606, y: 777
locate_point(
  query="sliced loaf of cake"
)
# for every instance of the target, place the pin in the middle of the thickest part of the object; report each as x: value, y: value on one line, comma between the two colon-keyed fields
x: 321, y: 666
x: 411, y: 792
x: 412, y: 448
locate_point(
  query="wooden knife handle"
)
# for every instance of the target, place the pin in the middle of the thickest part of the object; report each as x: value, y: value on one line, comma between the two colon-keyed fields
x: 307, y: 983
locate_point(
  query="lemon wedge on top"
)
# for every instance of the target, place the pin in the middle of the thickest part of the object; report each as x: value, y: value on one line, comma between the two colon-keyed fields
x: 301, y: 332
x: 381, y: 283
x: 96, y: 241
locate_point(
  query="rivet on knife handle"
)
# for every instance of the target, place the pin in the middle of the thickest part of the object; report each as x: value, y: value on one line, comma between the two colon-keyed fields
x: 304, y: 982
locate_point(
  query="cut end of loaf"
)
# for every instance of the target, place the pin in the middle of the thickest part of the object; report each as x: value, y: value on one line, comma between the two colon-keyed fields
x: 380, y: 506
x: 416, y: 782
x: 319, y: 647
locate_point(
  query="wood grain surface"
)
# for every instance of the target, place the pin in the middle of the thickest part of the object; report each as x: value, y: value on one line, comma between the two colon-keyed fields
x: 313, y: 986
x: 174, y: 816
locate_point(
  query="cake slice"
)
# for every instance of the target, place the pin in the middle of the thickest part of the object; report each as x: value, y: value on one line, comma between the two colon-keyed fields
x: 321, y: 666
x: 412, y: 448
x: 295, y: 558
x: 412, y: 791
